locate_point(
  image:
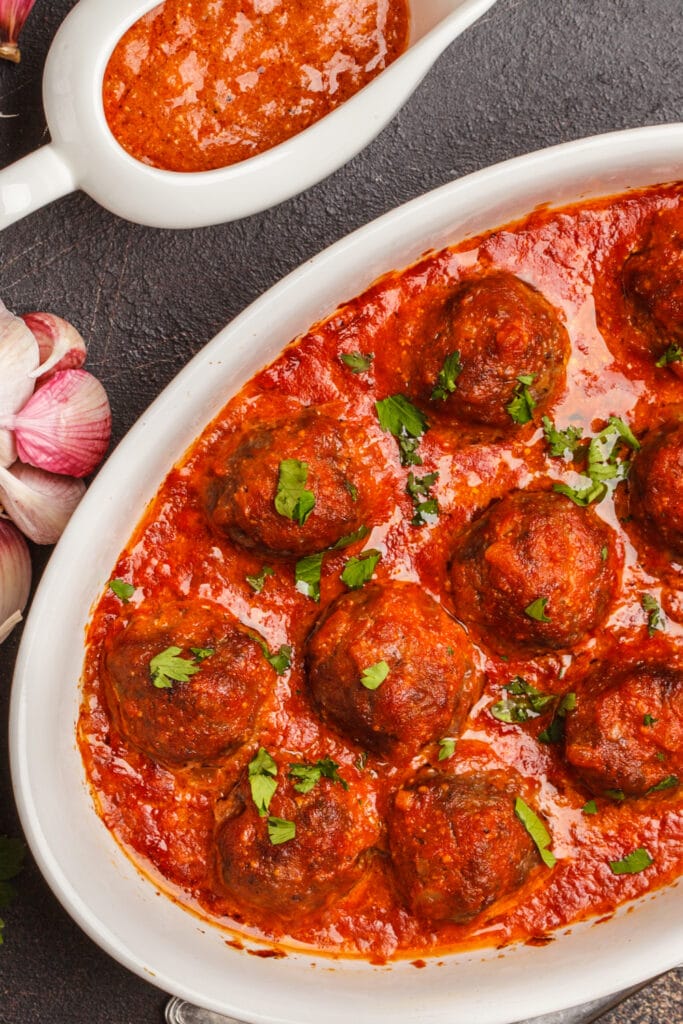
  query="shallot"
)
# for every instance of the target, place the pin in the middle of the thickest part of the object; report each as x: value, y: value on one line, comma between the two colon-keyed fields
x: 13, y: 14
x: 15, y: 577
x: 19, y: 357
x: 39, y: 503
x: 65, y: 426
x: 60, y: 344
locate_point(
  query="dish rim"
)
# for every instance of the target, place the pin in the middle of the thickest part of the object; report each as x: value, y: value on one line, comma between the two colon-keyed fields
x: 276, y: 991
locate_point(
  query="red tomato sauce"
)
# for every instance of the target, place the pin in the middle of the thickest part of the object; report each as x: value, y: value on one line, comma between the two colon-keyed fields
x: 200, y: 84
x: 165, y: 818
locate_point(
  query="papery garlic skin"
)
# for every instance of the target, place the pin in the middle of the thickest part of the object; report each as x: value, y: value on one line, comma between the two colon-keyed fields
x: 13, y: 14
x: 60, y: 345
x: 15, y: 577
x: 65, y: 426
x: 39, y: 503
x: 19, y: 357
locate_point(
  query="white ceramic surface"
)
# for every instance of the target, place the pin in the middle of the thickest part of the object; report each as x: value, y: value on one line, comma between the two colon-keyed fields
x: 96, y: 883
x: 84, y: 154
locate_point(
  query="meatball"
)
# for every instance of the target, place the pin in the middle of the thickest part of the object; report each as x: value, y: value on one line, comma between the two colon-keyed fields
x: 390, y: 669
x: 626, y: 732
x: 656, y: 484
x: 653, y: 282
x: 501, y: 328
x: 456, y: 844
x: 292, y: 487
x: 534, y: 573
x: 333, y: 827
x: 202, y: 718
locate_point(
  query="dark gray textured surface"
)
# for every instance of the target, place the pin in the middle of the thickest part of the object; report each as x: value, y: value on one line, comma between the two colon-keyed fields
x: 532, y: 73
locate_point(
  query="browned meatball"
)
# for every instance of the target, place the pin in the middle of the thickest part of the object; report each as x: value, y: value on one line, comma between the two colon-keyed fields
x: 333, y: 827
x: 421, y: 657
x: 534, y: 573
x: 293, y: 487
x: 501, y: 328
x: 626, y: 732
x: 457, y: 845
x: 203, y: 718
x: 656, y: 484
x: 653, y: 282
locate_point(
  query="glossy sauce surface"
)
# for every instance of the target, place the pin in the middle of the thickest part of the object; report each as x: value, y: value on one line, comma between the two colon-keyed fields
x: 166, y: 819
x: 200, y: 84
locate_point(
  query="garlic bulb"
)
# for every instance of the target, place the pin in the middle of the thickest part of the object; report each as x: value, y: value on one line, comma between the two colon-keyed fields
x: 61, y: 346
x: 40, y: 503
x: 13, y: 14
x: 18, y: 359
x: 65, y: 426
x: 15, y: 577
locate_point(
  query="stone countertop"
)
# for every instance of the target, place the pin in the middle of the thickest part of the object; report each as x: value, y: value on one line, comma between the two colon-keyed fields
x: 530, y: 74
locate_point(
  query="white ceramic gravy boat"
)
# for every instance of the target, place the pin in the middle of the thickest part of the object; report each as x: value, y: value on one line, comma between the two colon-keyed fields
x: 84, y: 153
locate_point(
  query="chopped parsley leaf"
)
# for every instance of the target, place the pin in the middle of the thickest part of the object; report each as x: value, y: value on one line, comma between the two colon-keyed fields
x: 281, y: 661
x: 351, y: 538
x: 419, y: 488
x: 352, y: 489
x: 649, y: 721
x: 374, y: 675
x: 446, y: 748
x: 617, y: 795
x: 536, y: 610
x: 361, y: 761
x: 669, y: 782
x: 124, y: 591
x: 590, y: 808
x: 292, y: 500
x: 632, y: 863
x: 555, y: 731
x: 360, y: 568
x: 655, y: 616
x: 602, y: 463
x: 401, y: 418
x: 523, y: 702
x: 202, y: 653
x: 446, y: 381
x: 673, y: 354
x: 604, y: 551
x: 309, y: 775
x: 582, y: 496
x: 280, y: 830
x: 561, y: 442
x: 166, y: 668
x: 261, y: 773
x: 357, y: 362
x: 537, y: 830
x: 523, y: 403
x: 258, y: 581
x: 307, y: 573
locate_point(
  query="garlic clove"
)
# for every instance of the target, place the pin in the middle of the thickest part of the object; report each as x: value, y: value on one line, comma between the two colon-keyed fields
x: 66, y: 425
x: 39, y: 503
x: 19, y: 357
x: 13, y: 14
x: 15, y: 577
x: 60, y: 344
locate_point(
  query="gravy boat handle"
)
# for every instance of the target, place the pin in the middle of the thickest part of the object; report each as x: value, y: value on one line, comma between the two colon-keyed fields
x: 32, y: 182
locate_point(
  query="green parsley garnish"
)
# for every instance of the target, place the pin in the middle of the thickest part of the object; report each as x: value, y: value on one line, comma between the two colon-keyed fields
x: 419, y: 488
x: 649, y: 721
x: 374, y: 675
x: 656, y: 619
x: 537, y: 830
x: 523, y: 702
x: 124, y: 591
x: 361, y: 761
x: 311, y: 774
x: 632, y: 863
x: 523, y: 403
x: 280, y: 830
x: 357, y: 362
x: 604, y: 552
x: 582, y: 496
x: 12, y: 853
x: 446, y: 381
x: 292, y: 500
x: 202, y: 653
x: 351, y: 538
x: 166, y: 668
x: 561, y: 442
x: 360, y: 568
x: 258, y: 581
x: 399, y: 417
x: 670, y: 782
x: 281, y: 661
x: 673, y: 354
x: 617, y: 795
x: 555, y: 731
x: 602, y: 463
x: 307, y: 573
x: 261, y: 772
x: 352, y: 489
x: 590, y: 808
x: 446, y: 748
x: 536, y: 610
